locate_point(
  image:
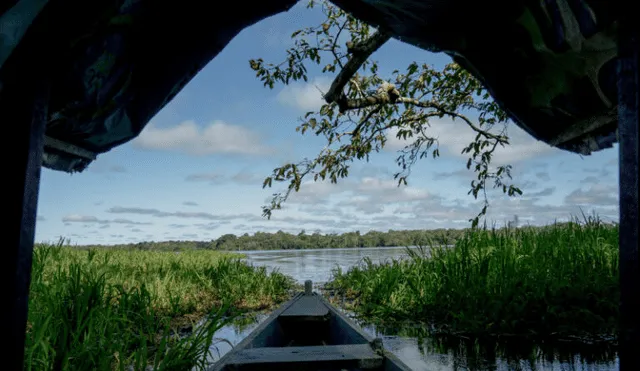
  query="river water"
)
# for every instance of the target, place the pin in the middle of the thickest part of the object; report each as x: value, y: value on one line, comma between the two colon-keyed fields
x: 420, y: 352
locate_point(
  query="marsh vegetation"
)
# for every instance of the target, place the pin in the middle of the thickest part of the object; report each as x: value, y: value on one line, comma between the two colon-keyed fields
x: 131, y: 309
x: 123, y: 309
x: 560, y: 281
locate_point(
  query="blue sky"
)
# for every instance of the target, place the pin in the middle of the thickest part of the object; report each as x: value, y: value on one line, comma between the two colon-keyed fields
x: 196, y: 171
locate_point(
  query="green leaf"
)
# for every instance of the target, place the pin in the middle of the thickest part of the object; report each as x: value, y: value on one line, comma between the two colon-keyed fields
x: 355, y: 133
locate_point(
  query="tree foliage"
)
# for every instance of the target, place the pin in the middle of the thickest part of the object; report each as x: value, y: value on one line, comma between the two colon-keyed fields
x: 295, y: 241
x: 362, y: 108
x: 281, y: 240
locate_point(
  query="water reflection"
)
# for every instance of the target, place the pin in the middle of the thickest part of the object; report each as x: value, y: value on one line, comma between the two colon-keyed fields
x: 317, y: 264
x: 233, y: 333
x: 419, y: 349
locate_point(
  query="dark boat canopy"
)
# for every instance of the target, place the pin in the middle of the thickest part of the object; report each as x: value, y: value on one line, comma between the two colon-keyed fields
x: 551, y: 64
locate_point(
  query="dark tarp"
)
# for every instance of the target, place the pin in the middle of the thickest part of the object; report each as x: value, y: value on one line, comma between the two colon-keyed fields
x: 550, y: 64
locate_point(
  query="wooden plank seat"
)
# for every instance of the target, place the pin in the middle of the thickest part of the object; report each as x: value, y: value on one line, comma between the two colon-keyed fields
x: 330, y: 357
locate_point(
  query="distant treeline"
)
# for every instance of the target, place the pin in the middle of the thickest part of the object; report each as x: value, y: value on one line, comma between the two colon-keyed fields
x: 287, y: 241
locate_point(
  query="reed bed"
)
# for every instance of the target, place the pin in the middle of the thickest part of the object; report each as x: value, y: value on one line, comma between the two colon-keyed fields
x: 559, y: 281
x: 137, y: 310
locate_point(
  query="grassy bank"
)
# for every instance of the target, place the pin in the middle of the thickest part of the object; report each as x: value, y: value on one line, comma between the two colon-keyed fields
x: 559, y: 281
x: 106, y: 310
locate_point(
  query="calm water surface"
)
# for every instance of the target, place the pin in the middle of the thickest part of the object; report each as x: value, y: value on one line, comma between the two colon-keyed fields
x: 317, y: 264
x: 416, y: 351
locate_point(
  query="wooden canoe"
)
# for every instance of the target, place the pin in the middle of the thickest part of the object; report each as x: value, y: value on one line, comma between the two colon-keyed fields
x: 307, y: 333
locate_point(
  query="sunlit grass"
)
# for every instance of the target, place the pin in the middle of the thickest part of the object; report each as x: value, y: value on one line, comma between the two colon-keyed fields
x: 113, y: 310
x: 557, y: 281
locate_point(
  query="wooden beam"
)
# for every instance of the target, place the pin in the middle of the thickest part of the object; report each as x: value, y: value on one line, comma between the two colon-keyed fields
x: 628, y: 120
x: 25, y: 111
x: 332, y: 357
x: 68, y: 148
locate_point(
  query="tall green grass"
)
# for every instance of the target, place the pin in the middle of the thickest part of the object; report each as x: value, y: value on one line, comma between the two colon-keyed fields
x: 559, y: 281
x: 123, y: 310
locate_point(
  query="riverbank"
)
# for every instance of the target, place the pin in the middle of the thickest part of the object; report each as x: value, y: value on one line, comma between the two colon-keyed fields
x: 106, y: 310
x: 560, y: 281
x: 300, y: 241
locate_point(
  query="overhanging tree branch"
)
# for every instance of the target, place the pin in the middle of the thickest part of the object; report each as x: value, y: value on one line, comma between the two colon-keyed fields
x: 363, y: 108
x: 359, y: 54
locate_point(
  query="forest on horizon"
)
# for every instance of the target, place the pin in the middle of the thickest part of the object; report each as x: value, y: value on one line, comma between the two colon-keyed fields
x: 287, y: 241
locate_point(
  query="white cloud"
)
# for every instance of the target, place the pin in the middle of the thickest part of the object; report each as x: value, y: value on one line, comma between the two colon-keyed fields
x: 305, y: 96
x: 591, y: 180
x: 596, y: 195
x: 367, y: 204
x: 387, y: 191
x: 216, y: 138
x: 530, y: 209
x: 77, y: 218
x: 180, y: 214
x: 315, y: 193
x: 453, y: 136
x: 367, y: 194
x: 205, y: 177
x: 372, y: 203
x: 242, y: 177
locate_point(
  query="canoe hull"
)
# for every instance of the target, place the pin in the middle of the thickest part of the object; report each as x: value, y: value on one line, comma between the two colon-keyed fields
x: 308, y: 333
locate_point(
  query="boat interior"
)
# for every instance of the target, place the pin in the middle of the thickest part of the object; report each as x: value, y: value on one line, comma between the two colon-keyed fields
x: 307, y: 333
